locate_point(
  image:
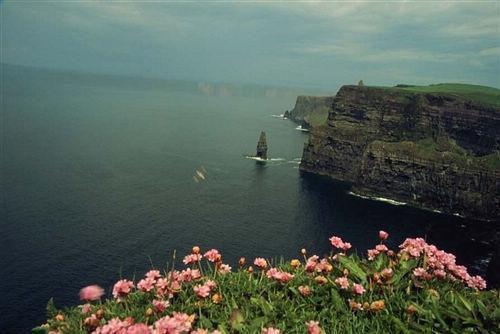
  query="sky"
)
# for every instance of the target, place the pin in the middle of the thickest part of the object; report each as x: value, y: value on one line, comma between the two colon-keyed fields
x: 300, y: 44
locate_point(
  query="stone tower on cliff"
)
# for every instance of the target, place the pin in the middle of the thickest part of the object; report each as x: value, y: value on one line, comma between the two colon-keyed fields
x: 262, y: 146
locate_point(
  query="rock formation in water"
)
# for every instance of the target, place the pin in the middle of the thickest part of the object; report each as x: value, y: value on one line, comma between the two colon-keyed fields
x: 311, y: 111
x: 433, y: 150
x: 262, y: 146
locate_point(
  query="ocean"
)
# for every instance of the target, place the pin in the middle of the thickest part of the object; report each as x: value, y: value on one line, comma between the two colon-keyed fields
x: 99, y: 181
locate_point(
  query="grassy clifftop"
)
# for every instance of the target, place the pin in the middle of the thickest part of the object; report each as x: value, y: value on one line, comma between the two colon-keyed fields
x: 482, y: 94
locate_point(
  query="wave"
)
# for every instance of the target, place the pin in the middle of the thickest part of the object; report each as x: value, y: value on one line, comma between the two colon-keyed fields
x: 380, y: 199
x: 300, y: 128
x: 279, y: 116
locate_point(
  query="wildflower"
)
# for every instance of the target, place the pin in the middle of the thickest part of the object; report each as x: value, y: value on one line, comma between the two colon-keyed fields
x: 383, y: 235
x: 303, y: 251
x: 216, y: 298
x: 342, y: 282
x: 91, y: 322
x: 387, y: 273
x: 189, y: 274
x: 192, y: 258
x: 355, y: 306
x: 250, y: 269
x: 311, y: 263
x: 295, y: 263
x: 320, y: 280
x: 149, y: 312
x: 411, y: 309
x: 202, y: 291
x: 91, y: 292
x: 377, y: 305
x: 339, y: 244
x: 175, y: 324
x: 358, y: 289
x: 122, y: 288
x: 139, y: 329
x: 160, y: 305
x: 313, y: 327
x: 421, y: 273
x: 260, y: 263
x: 476, y: 282
x: 99, y: 314
x: 153, y: 275
x: 270, y: 330
x: 115, y: 325
x: 372, y: 254
x: 224, y: 269
x: 146, y: 285
x: 59, y: 317
x: 381, y: 248
x: 439, y: 273
x: 213, y: 255
x: 280, y: 276
x: 305, y: 290
x: 195, y: 250
x: 242, y: 261
x: 323, y: 265
x: 86, y: 308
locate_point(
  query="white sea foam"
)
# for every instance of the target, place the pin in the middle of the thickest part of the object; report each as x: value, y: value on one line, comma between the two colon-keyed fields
x: 380, y: 199
x: 300, y: 128
x: 278, y: 116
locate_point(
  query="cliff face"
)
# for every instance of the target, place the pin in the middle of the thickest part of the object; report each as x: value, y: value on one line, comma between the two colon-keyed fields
x: 311, y: 111
x: 433, y: 150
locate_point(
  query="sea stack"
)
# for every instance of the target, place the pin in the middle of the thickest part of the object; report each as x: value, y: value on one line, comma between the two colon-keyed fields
x: 262, y: 146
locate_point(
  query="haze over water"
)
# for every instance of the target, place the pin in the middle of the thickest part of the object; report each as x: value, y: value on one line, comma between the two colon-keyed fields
x: 98, y: 184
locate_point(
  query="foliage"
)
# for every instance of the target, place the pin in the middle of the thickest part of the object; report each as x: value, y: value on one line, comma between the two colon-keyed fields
x: 417, y: 289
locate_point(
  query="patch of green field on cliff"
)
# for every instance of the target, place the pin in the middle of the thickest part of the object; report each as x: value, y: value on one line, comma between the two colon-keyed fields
x: 483, y: 94
x: 318, y: 118
x: 442, y: 151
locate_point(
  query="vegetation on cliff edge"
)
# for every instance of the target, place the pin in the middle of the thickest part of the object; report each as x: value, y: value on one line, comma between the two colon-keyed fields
x: 419, y: 288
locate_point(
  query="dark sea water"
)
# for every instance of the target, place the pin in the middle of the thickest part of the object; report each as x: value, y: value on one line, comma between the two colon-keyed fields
x: 97, y: 183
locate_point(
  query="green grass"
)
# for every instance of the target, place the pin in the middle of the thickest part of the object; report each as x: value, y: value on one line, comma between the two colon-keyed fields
x: 483, y: 94
x: 251, y: 301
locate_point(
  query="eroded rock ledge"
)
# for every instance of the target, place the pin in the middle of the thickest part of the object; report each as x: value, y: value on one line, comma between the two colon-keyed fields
x: 433, y: 150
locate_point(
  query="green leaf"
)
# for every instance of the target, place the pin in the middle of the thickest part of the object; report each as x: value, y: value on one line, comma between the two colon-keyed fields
x: 353, y: 267
x: 39, y: 330
x: 400, y: 325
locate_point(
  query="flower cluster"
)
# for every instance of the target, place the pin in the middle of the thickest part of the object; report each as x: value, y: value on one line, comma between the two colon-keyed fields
x: 438, y: 263
x: 278, y: 275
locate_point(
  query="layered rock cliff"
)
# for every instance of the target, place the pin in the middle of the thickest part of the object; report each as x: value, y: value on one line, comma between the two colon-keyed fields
x: 310, y: 111
x: 434, y: 150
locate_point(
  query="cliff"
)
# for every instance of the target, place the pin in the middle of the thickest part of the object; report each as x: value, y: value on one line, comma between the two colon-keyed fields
x: 311, y: 111
x: 437, y: 150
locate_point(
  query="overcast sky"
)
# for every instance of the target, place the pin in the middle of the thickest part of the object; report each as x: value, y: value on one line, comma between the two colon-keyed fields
x: 309, y: 44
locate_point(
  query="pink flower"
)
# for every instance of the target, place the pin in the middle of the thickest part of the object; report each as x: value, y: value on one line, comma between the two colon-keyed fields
x: 270, y: 330
x: 192, y: 258
x: 311, y: 263
x: 146, y: 285
x: 278, y: 275
x: 336, y: 242
x: 476, y: 282
x: 114, y: 326
x: 213, y: 255
x: 189, y: 274
x: 153, y: 274
x: 139, y: 329
x: 260, y: 263
x: 122, y: 288
x: 419, y: 272
x: 160, y: 305
x: 224, y: 269
x: 439, y: 273
x: 86, y: 308
x: 202, y: 291
x: 91, y: 292
x: 339, y: 244
x: 358, y: 289
x: 176, y: 324
x: 383, y: 235
x: 381, y: 248
x: 343, y: 282
x: 313, y: 327
x: 372, y: 254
